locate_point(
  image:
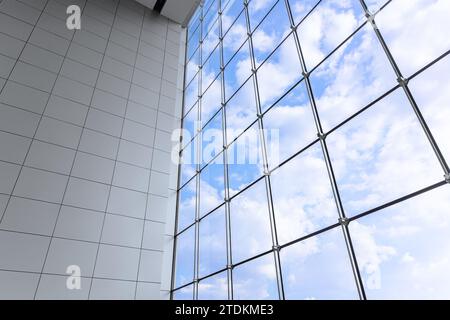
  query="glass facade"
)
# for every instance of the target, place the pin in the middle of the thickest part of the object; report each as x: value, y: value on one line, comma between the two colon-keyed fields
x: 354, y: 203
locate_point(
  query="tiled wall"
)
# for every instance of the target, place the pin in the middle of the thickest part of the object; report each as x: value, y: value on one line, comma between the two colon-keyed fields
x: 85, y: 171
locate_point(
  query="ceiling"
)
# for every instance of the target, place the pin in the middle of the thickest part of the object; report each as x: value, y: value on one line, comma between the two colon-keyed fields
x: 177, y: 10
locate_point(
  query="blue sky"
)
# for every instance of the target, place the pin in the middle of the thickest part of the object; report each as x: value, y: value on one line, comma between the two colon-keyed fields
x: 379, y: 156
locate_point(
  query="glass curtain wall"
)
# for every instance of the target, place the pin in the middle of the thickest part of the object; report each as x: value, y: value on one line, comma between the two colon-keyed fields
x: 354, y: 202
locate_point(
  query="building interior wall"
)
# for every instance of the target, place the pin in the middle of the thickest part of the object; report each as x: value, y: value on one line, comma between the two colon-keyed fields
x: 86, y: 118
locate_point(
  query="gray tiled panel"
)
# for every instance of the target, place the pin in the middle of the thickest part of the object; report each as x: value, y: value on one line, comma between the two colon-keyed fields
x: 93, y: 168
x: 163, y: 140
x: 40, y: 185
x: 148, y: 291
x: 117, y: 262
x: 166, y: 122
x: 95, y: 26
x: 127, y: 202
x: 152, y: 52
x: 117, y: 68
x: 113, y: 85
x: 98, y: 13
x: 56, y: 8
x: 161, y: 161
x: 131, y: 177
x: 109, y: 102
x: 18, y: 285
x: 15, y: 27
x: 153, y: 39
x: 24, y: 215
x: 90, y: 40
x: 149, y: 65
x: 103, y: 289
x: 53, y: 287
x: 147, y: 80
x: 159, y: 183
x: 153, y: 235
x: 122, y: 231
x: 138, y: 133
x: 124, y: 39
x: 79, y: 72
x: 143, y: 96
x: 120, y: 53
x: 18, y: 121
x: 50, y: 157
x: 6, y: 65
x: 22, y: 252
x: 55, y: 25
x: 58, y: 132
x: 32, y: 76
x: 150, y: 266
x: 134, y: 153
x: 13, y: 148
x: 10, y: 46
x: 99, y: 143
x: 73, y: 90
x: 157, y: 208
x: 141, y: 113
x: 41, y: 58
x: 79, y: 224
x: 66, y: 110
x: 104, y: 122
x: 84, y: 55
x: 38, y: 4
x: 49, y: 41
x: 127, y: 26
x: 86, y: 194
x: 24, y: 97
x: 64, y: 253
x: 19, y: 11
x: 8, y: 176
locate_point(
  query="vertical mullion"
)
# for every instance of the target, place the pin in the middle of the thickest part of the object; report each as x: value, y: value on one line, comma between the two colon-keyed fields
x: 225, y: 162
x: 342, y: 218
x: 198, y: 162
x: 404, y: 84
x: 275, y: 244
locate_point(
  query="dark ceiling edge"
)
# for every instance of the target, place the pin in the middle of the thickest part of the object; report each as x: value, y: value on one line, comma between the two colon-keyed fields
x: 159, y: 5
x: 191, y: 13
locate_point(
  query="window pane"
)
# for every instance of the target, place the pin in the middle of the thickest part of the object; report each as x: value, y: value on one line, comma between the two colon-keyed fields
x: 234, y: 38
x: 256, y: 280
x: 326, y: 27
x: 211, y: 101
x: 241, y: 111
x: 231, y: 11
x: 211, y: 187
x: 431, y: 90
x: 290, y: 124
x: 237, y: 71
x: 381, y: 155
x: 244, y: 160
x: 184, y: 272
x: 318, y: 268
x: 402, y: 251
x: 280, y: 72
x: 191, y: 94
x: 210, y: 16
x: 302, y: 196
x: 250, y: 208
x: 213, y: 250
x: 186, y: 207
x: 186, y: 293
x: 211, y: 69
x: 214, y: 288
x: 421, y: 33
x: 190, y: 123
x: 352, y: 78
x: 300, y: 8
x: 272, y: 29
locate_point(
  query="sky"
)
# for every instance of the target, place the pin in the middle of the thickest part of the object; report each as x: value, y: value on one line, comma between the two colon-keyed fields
x: 379, y: 156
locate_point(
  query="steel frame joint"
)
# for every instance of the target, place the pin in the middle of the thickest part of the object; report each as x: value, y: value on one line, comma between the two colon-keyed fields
x: 447, y: 178
x: 344, y: 221
x: 403, y: 81
x: 276, y: 248
x: 321, y: 136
